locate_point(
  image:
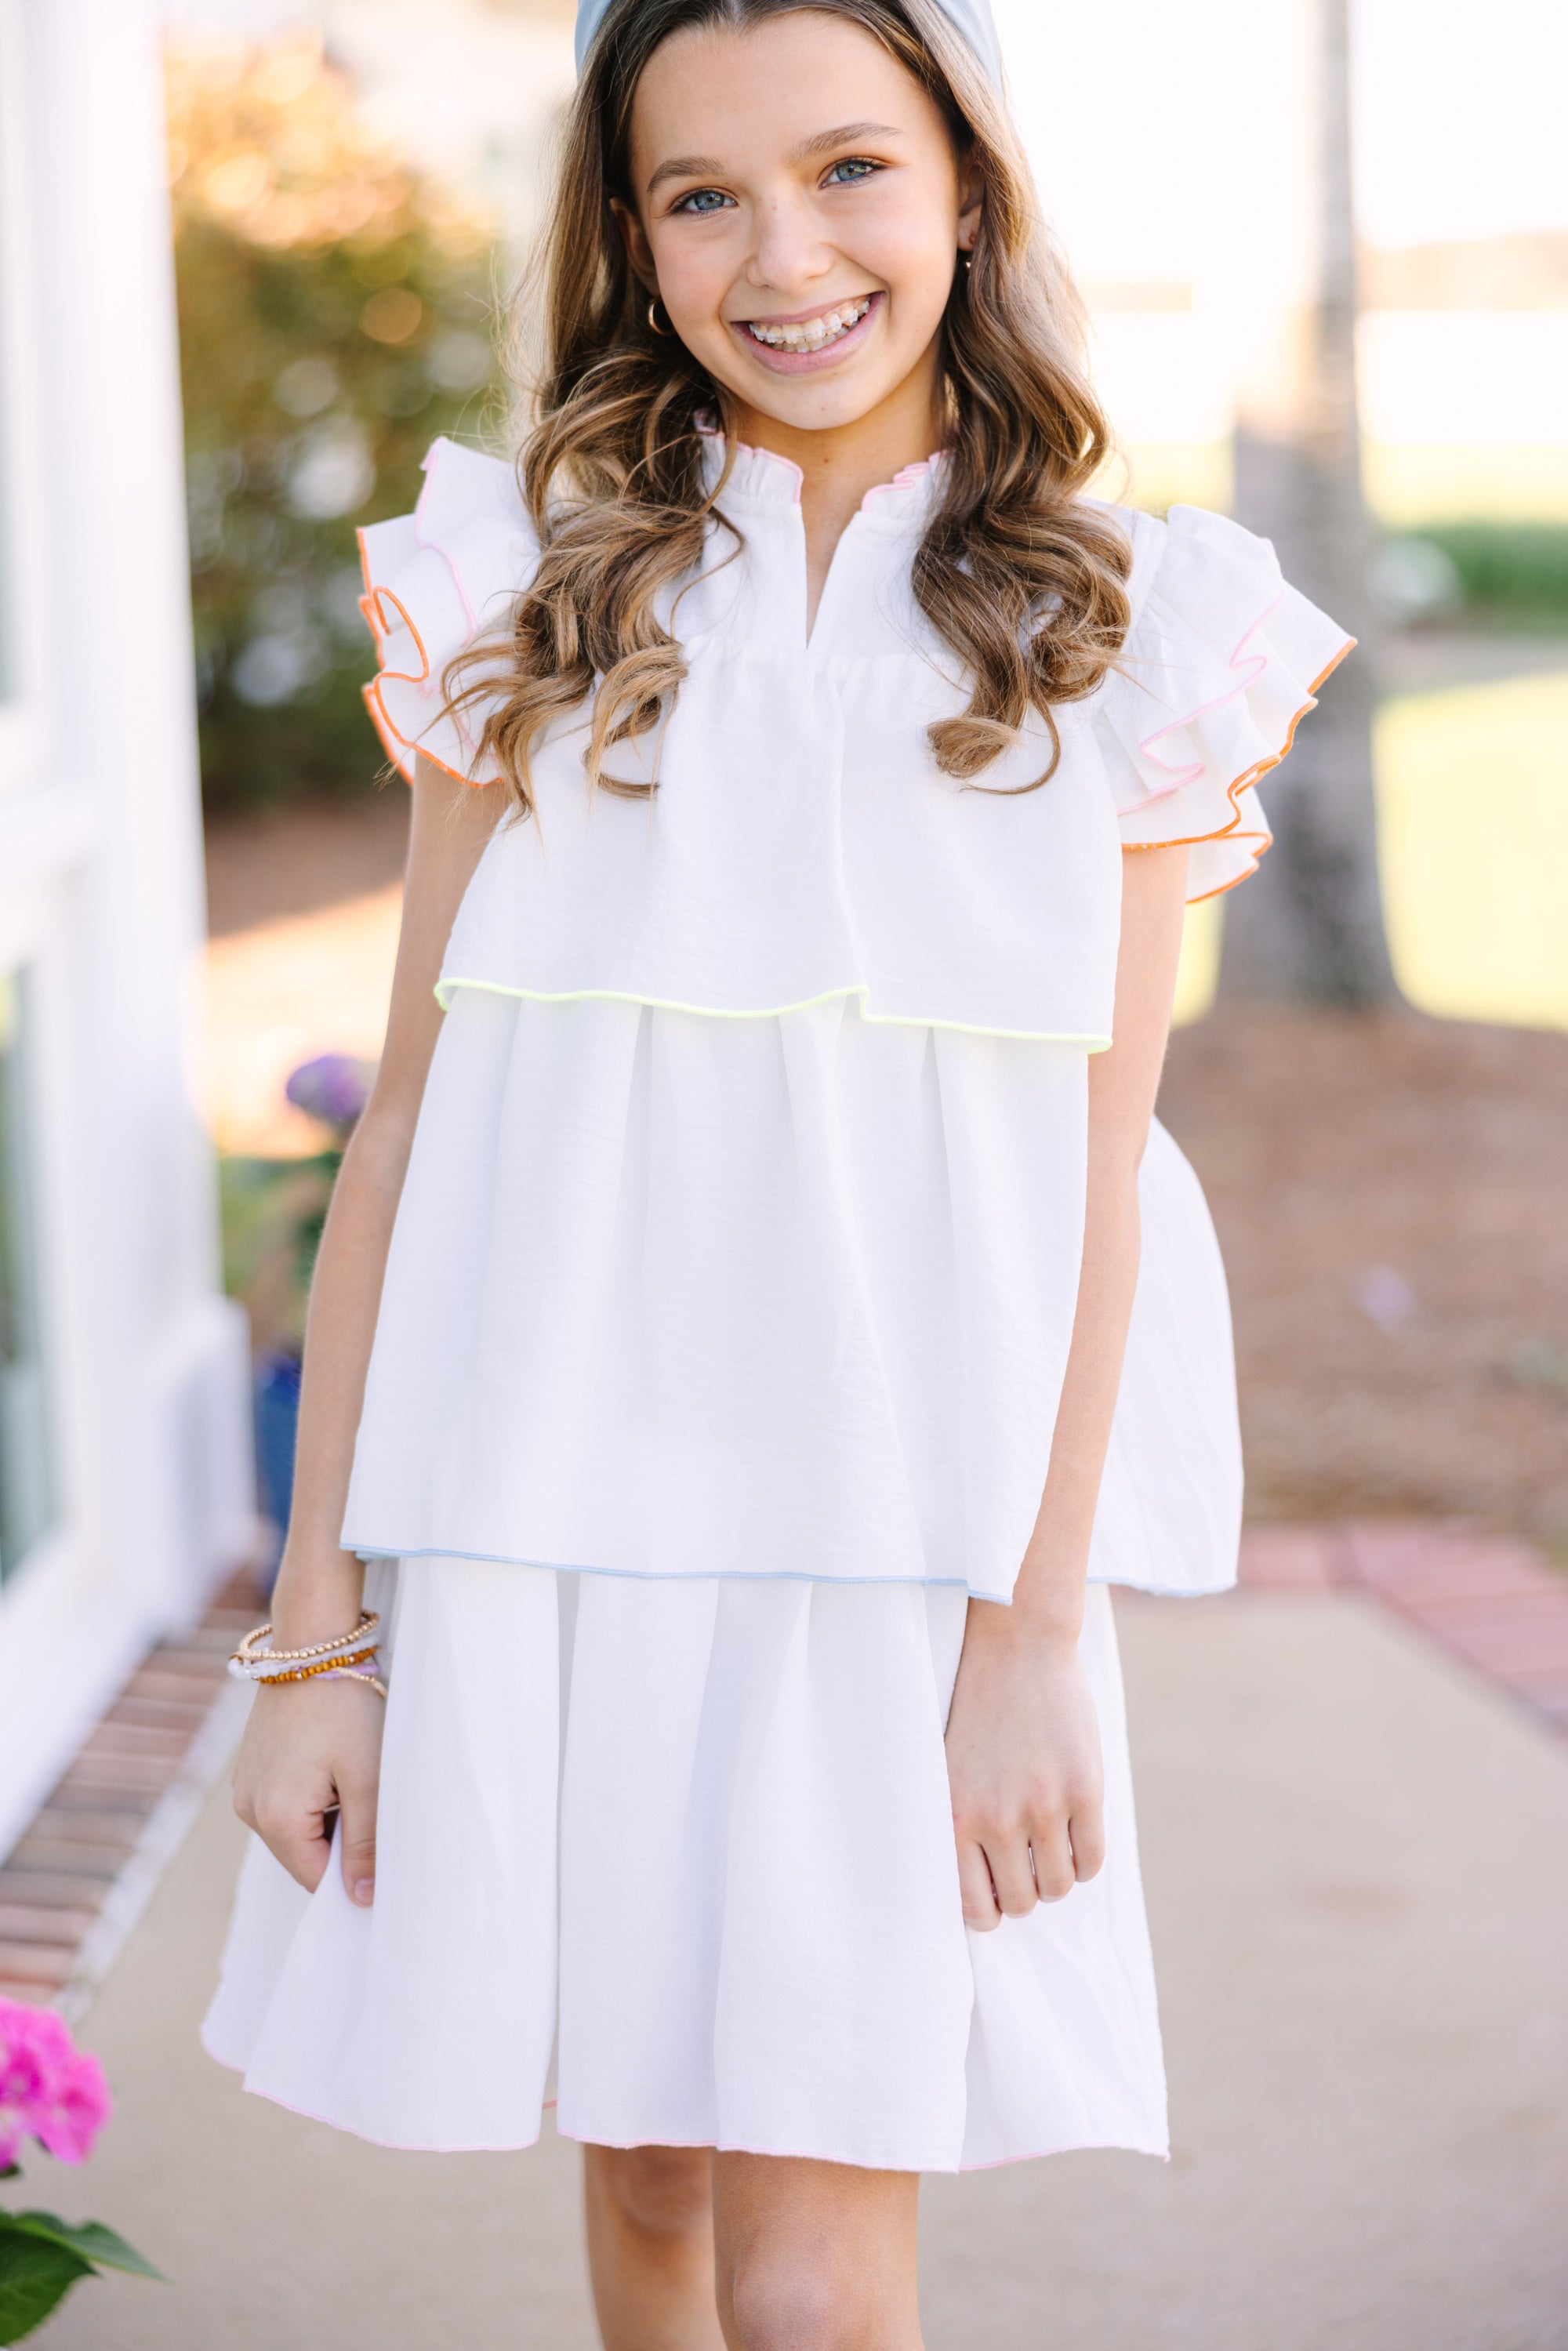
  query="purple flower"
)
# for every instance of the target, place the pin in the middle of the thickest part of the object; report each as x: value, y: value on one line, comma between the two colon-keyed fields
x: 334, y: 1088
x: 49, y: 2089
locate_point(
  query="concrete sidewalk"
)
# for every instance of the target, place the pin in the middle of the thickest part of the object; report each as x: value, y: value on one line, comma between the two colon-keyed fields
x: 1357, y: 1866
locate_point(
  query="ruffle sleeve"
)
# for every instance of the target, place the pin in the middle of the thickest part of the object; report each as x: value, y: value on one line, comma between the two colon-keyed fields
x: 1223, y: 660
x: 436, y: 581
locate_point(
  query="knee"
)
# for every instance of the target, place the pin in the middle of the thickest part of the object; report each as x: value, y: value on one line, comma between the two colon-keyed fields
x: 794, y: 2306
x: 665, y: 2191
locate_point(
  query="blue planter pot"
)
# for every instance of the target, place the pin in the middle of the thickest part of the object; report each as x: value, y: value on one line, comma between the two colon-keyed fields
x: 276, y: 1406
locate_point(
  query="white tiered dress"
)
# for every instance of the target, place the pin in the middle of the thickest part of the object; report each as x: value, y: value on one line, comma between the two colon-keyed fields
x: 719, y: 1352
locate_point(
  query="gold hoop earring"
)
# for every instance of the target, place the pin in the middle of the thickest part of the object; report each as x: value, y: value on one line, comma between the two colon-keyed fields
x: 652, y: 319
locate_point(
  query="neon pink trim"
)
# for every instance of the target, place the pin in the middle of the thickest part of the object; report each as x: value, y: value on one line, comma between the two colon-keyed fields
x: 1237, y: 791
x: 516, y: 2147
x: 907, y: 478
x: 429, y: 462
x: 795, y: 479
x: 1073, y: 2146
x: 399, y: 2146
x: 1258, y: 663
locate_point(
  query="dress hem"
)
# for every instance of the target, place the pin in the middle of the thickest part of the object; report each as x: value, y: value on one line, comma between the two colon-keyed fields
x: 779, y: 2154
x: 1086, y: 1040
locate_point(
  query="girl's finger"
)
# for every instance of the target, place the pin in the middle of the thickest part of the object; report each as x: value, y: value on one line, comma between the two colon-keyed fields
x: 296, y: 1838
x: 356, y: 1812
x: 1011, y: 1875
x: 975, y: 1888
x: 1053, y: 1871
x: 1087, y: 1832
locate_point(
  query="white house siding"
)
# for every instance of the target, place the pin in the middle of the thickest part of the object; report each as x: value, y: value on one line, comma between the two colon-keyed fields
x: 138, y: 1401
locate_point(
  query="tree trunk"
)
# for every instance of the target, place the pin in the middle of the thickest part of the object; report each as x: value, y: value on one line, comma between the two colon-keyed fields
x: 1310, y: 927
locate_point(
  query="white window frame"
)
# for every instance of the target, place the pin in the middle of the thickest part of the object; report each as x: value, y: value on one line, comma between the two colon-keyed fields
x: 147, y: 1363
x: 60, y: 1584
x: 23, y: 695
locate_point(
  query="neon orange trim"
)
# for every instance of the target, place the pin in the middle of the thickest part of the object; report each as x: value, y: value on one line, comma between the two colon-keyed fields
x: 394, y: 742
x: 1349, y: 646
x: 1245, y: 783
x: 380, y: 719
x: 400, y: 676
x: 391, y: 743
x: 1204, y: 896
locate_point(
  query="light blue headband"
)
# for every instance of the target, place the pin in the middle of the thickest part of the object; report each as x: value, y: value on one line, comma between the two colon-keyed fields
x: 973, y: 18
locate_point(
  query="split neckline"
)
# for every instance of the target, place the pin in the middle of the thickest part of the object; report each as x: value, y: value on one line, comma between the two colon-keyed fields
x: 760, y: 477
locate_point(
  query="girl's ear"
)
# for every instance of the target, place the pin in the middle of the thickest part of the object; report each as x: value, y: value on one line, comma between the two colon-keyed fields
x: 971, y: 204
x: 634, y: 238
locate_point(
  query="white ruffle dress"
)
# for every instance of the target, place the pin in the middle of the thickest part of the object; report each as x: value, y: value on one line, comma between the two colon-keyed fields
x: 718, y: 1355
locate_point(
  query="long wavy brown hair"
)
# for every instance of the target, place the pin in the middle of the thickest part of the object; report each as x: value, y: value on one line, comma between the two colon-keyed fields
x: 1022, y: 579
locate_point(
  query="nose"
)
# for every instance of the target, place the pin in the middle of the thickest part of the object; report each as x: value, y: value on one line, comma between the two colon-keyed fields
x: 790, y: 252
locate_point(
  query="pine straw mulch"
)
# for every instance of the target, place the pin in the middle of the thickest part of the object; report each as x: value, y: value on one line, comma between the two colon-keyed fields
x: 1390, y: 1195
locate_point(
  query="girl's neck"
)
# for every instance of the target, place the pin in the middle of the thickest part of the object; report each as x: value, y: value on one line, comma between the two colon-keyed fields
x: 839, y: 463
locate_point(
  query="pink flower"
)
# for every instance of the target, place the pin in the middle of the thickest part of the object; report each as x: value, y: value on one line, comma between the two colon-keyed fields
x: 49, y: 2089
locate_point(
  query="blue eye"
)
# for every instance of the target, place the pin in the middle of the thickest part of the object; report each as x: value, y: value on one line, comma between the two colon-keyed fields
x: 701, y: 202
x: 854, y: 168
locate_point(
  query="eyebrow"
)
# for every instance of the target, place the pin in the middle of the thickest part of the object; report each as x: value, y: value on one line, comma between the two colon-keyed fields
x: 822, y: 142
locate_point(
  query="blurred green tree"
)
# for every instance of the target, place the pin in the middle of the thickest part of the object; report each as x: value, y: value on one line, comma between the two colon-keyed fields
x: 335, y: 315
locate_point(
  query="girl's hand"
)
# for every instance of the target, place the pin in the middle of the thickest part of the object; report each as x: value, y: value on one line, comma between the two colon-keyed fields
x: 1024, y: 1768
x: 310, y: 1750
x: 313, y: 1749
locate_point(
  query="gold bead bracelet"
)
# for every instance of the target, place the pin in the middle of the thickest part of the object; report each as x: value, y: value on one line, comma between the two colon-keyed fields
x: 247, y: 1657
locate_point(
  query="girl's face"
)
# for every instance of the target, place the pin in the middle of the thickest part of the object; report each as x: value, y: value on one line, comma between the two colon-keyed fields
x: 800, y: 211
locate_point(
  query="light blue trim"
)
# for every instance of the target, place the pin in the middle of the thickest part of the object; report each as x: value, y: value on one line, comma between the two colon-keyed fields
x: 660, y: 1575
x: 766, y: 1575
x: 448, y: 984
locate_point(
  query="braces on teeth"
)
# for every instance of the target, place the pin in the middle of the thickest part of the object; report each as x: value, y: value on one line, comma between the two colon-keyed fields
x: 814, y: 332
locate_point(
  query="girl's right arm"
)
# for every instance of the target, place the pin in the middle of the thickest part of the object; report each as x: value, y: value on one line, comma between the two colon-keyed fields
x: 311, y: 1749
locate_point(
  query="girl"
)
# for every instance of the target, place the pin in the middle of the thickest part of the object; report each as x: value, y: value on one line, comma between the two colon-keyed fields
x: 716, y: 1349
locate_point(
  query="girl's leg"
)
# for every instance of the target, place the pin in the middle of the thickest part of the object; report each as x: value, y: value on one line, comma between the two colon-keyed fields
x: 649, y: 2247
x: 814, y: 2256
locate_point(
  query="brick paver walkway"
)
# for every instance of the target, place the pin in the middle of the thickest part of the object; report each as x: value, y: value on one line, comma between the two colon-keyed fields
x: 75, y: 1884
x: 1496, y: 1604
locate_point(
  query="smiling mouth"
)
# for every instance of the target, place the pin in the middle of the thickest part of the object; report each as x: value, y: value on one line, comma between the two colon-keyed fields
x: 810, y: 334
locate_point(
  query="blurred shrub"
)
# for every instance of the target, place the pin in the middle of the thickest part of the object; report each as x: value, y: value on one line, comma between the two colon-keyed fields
x: 1511, y: 575
x: 335, y: 316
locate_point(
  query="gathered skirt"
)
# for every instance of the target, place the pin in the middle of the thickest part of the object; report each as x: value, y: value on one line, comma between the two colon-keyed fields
x: 679, y: 1853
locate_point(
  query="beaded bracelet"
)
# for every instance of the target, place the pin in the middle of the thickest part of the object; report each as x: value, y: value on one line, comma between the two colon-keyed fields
x: 331, y: 1669
x: 352, y: 1665
x: 310, y: 1673
x: 249, y: 1656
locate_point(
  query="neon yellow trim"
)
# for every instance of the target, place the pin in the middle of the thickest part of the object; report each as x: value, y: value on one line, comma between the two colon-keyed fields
x: 447, y: 986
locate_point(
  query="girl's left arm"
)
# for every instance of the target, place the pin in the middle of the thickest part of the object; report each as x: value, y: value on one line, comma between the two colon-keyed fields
x: 1023, y: 1745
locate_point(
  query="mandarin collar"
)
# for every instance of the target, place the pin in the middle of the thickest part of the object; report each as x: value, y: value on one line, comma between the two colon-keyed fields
x: 760, y: 481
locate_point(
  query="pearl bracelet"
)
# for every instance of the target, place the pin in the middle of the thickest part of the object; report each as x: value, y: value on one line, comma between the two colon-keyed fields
x: 355, y: 1665
x: 250, y: 1659
x: 261, y: 1673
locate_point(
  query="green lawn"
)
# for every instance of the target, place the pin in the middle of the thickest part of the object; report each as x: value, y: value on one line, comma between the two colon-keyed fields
x: 1473, y: 809
x: 1472, y: 793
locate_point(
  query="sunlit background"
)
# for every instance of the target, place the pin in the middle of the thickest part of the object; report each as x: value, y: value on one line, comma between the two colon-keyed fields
x: 357, y: 188
x: 391, y: 138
